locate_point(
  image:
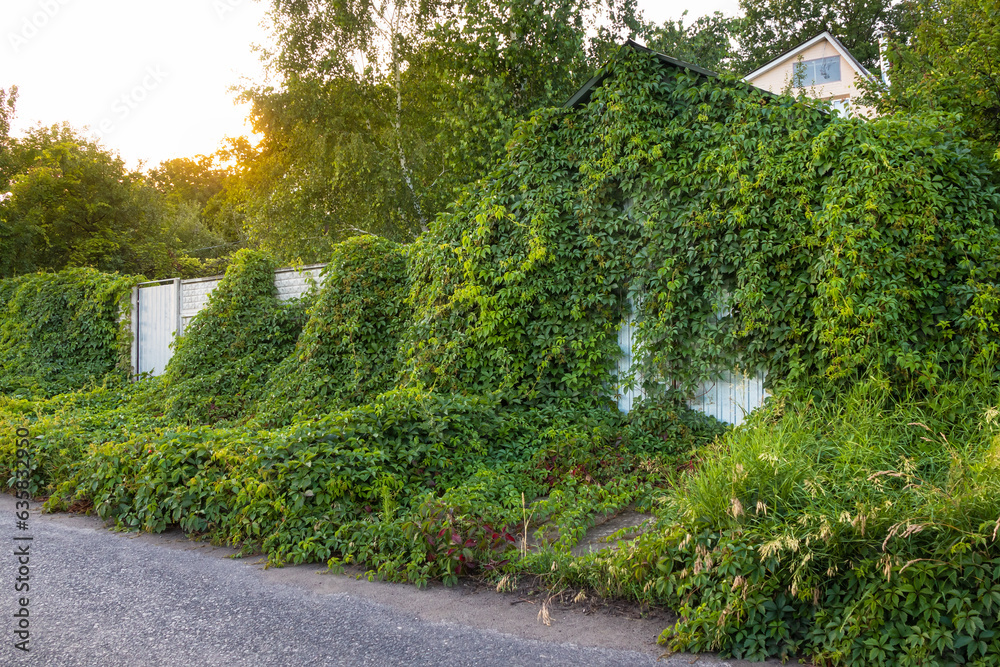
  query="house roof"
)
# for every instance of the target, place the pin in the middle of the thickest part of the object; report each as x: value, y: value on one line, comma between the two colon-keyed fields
x: 793, y: 52
x: 582, y: 96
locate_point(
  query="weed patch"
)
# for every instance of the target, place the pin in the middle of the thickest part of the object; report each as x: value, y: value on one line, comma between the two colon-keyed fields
x: 860, y: 531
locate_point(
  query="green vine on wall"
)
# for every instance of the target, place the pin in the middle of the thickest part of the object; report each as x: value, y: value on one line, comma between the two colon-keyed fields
x: 348, y: 351
x: 752, y: 231
x: 59, y: 331
x: 229, y: 349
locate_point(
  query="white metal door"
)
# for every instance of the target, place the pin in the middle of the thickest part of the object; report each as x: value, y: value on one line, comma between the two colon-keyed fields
x: 626, y: 395
x: 728, y: 399
x: 156, y: 325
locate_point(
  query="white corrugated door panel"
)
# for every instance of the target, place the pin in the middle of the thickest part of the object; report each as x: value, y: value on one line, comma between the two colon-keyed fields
x: 730, y: 398
x: 157, y: 314
x: 627, y: 396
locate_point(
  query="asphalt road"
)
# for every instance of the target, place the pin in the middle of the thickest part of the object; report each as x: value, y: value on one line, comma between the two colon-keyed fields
x: 98, y: 597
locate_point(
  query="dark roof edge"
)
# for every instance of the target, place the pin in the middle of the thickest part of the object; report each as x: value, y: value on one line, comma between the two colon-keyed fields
x: 583, y: 95
x: 671, y: 61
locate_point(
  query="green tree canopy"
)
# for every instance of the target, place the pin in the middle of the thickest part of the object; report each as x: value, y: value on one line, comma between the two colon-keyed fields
x: 192, y: 189
x: 71, y: 202
x: 8, y: 100
x: 951, y: 63
x: 194, y: 179
x: 386, y: 108
x: 705, y: 42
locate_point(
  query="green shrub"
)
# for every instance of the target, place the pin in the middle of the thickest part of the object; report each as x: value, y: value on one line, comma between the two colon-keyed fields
x: 60, y: 331
x: 228, y: 351
x: 858, y: 532
x: 347, y: 352
x: 745, y: 230
x: 64, y: 427
x: 289, y: 490
x: 375, y: 484
x: 662, y: 423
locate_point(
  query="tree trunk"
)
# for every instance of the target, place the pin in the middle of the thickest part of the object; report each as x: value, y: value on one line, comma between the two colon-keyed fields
x: 404, y: 168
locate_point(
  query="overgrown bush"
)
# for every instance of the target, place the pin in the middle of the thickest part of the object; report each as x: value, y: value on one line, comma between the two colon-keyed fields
x: 744, y: 229
x: 64, y: 427
x: 271, y: 488
x: 348, y: 350
x: 375, y: 484
x: 229, y: 349
x: 60, y: 331
x: 861, y: 531
x: 662, y: 424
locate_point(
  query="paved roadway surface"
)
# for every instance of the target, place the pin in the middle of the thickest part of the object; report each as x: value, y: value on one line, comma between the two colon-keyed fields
x: 104, y: 598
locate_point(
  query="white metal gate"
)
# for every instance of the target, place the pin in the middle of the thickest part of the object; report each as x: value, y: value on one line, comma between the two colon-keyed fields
x: 162, y: 309
x: 730, y: 398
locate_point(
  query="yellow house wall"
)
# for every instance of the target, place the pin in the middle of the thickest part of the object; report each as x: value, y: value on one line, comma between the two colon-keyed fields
x: 777, y: 78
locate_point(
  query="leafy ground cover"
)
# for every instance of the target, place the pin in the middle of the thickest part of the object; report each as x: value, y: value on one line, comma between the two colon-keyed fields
x: 412, y: 484
x: 445, y: 408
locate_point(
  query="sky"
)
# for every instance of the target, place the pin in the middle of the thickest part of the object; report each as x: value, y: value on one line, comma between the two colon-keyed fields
x: 151, y: 79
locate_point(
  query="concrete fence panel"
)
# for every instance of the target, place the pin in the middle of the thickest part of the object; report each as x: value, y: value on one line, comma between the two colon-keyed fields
x: 163, y: 309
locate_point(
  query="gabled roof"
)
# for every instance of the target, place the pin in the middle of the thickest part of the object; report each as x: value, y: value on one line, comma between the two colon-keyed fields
x: 582, y: 96
x: 792, y: 53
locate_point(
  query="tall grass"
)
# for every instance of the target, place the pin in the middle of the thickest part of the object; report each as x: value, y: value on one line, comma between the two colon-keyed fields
x: 860, y: 530
x: 864, y: 475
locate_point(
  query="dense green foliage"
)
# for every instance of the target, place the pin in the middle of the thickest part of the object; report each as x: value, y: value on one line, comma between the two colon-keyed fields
x: 950, y: 63
x: 249, y: 356
x: 348, y: 351
x: 750, y: 231
x: 227, y: 353
x: 61, y: 331
x: 470, y: 427
x: 412, y: 484
x: 861, y: 531
x: 67, y: 201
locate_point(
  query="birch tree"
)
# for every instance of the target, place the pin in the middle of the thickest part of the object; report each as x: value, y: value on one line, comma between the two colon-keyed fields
x: 385, y: 108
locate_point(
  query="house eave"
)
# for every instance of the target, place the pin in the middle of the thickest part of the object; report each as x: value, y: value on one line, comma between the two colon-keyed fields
x: 791, y: 53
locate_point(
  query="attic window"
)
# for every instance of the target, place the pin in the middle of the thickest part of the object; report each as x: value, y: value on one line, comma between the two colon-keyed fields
x: 817, y: 72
